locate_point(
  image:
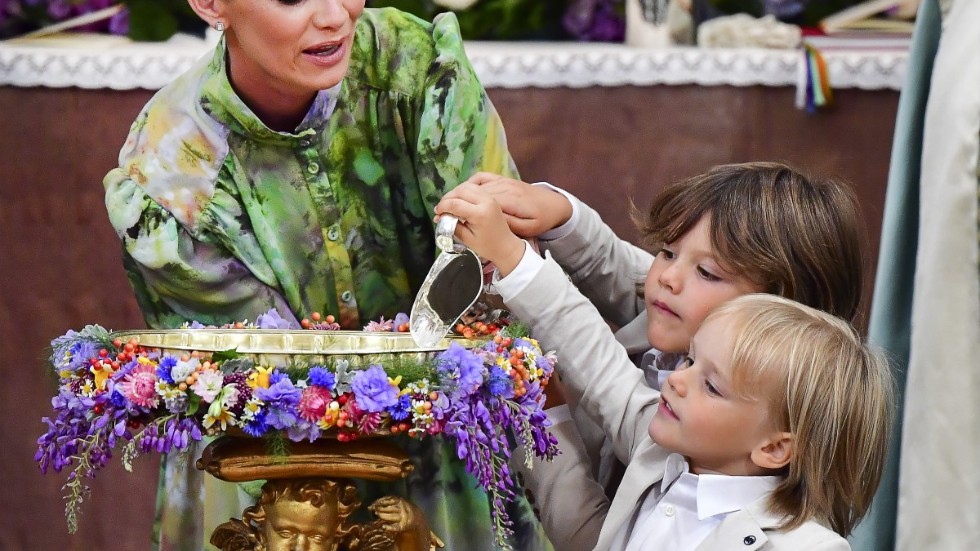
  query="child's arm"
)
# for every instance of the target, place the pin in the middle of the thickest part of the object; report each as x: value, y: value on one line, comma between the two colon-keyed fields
x: 607, y: 270
x: 595, y: 368
x: 578, y: 240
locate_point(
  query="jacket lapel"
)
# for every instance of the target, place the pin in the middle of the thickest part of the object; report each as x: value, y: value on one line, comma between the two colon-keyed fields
x: 743, y: 530
x: 645, y: 469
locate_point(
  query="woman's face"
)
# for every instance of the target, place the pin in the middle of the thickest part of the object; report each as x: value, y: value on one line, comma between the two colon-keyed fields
x: 282, y: 50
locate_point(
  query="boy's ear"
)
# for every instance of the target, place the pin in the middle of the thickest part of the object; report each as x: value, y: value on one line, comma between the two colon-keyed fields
x: 208, y: 10
x: 775, y: 452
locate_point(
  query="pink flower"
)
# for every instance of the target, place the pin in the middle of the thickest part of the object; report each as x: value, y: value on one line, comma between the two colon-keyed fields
x: 313, y: 403
x: 380, y: 326
x: 139, y: 386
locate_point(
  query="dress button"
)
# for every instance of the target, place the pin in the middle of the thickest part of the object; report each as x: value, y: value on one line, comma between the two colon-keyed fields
x: 748, y: 540
x: 333, y: 233
x: 347, y: 296
x: 313, y: 168
x: 669, y: 510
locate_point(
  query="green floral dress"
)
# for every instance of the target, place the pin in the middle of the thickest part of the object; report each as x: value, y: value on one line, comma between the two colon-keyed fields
x: 222, y: 219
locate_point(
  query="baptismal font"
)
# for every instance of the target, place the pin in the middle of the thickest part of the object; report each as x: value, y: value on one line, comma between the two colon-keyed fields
x: 308, y: 498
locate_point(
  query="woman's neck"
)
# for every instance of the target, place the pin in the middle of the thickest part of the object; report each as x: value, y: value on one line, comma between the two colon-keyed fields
x: 279, y: 108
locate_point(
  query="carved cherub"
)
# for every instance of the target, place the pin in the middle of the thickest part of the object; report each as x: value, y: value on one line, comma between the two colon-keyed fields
x: 400, y: 526
x: 292, y: 515
x: 312, y: 515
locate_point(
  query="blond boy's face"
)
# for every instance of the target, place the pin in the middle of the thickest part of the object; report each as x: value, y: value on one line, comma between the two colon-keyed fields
x: 685, y: 283
x: 701, y: 417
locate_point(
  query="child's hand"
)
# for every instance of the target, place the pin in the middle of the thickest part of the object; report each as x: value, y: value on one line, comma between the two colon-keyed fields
x: 482, y: 226
x: 530, y: 210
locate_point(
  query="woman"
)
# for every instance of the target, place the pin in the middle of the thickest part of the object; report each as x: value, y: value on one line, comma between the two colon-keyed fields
x: 298, y: 168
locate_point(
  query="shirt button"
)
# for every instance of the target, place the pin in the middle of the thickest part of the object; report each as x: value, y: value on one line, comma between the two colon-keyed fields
x: 313, y: 168
x: 749, y: 540
x: 669, y: 510
x: 333, y: 233
x: 347, y: 296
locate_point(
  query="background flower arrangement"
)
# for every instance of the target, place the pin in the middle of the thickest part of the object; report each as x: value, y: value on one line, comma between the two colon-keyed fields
x: 113, y: 392
x: 592, y: 20
x: 147, y: 20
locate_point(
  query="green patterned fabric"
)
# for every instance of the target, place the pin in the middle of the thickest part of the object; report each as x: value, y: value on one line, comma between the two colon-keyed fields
x: 222, y: 218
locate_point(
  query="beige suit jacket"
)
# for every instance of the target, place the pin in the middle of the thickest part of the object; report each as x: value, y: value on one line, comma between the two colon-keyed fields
x: 598, y: 374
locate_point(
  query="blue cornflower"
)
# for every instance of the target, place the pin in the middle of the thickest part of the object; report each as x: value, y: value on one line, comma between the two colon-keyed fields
x: 257, y: 426
x: 164, y: 369
x: 322, y: 376
x: 499, y: 383
x: 400, y: 410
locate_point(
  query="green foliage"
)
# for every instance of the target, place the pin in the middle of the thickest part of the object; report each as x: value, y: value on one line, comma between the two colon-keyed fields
x: 496, y: 19
x: 158, y: 20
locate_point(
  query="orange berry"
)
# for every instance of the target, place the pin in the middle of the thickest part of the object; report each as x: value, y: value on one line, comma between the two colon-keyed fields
x: 330, y: 318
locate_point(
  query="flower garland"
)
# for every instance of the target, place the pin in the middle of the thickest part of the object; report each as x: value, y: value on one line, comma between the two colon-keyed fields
x: 114, y: 391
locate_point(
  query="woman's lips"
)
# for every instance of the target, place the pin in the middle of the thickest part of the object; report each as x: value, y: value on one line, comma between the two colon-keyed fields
x: 326, y: 53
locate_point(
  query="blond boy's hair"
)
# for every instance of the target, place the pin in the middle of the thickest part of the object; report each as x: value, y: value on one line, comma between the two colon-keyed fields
x: 829, y: 390
x: 791, y: 234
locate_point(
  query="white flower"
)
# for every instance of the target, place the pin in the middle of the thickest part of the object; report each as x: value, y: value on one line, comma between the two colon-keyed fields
x: 183, y: 369
x: 455, y: 5
x: 208, y: 384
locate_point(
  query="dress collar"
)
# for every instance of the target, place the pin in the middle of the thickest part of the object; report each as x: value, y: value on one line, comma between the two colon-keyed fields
x: 220, y: 101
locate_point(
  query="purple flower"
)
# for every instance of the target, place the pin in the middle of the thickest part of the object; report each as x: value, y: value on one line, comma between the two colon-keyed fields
x: 372, y: 390
x: 277, y: 376
x: 440, y: 406
x: 119, y: 24
x: 595, y: 20
x: 784, y: 9
x: 401, y: 318
x: 80, y: 353
x: 272, y: 320
x: 281, y: 399
x: 461, y: 371
x: 303, y: 430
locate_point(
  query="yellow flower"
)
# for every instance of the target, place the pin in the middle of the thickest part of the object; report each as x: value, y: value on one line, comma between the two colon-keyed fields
x: 260, y: 378
x: 102, y: 373
x: 396, y: 381
x: 217, y: 414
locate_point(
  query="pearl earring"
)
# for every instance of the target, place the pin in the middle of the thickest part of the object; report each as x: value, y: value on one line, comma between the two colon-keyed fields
x: 219, y: 26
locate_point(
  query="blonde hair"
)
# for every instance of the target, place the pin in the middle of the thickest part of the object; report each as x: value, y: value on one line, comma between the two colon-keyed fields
x: 791, y: 234
x: 829, y: 390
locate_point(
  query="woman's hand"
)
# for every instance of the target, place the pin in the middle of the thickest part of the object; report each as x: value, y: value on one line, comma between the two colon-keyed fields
x: 482, y: 226
x: 529, y: 210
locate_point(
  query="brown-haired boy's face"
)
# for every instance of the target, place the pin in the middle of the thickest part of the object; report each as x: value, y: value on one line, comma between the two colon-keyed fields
x: 685, y: 283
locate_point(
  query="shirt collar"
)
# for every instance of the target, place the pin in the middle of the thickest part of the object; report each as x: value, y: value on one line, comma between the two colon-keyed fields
x: 219, y: 100
x: 718, y: 493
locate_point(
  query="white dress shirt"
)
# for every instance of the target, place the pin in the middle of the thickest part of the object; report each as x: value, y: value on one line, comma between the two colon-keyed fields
x: 692, y: 506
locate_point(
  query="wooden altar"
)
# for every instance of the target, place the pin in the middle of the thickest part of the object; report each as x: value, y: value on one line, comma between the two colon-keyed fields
x: 608, y: 122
